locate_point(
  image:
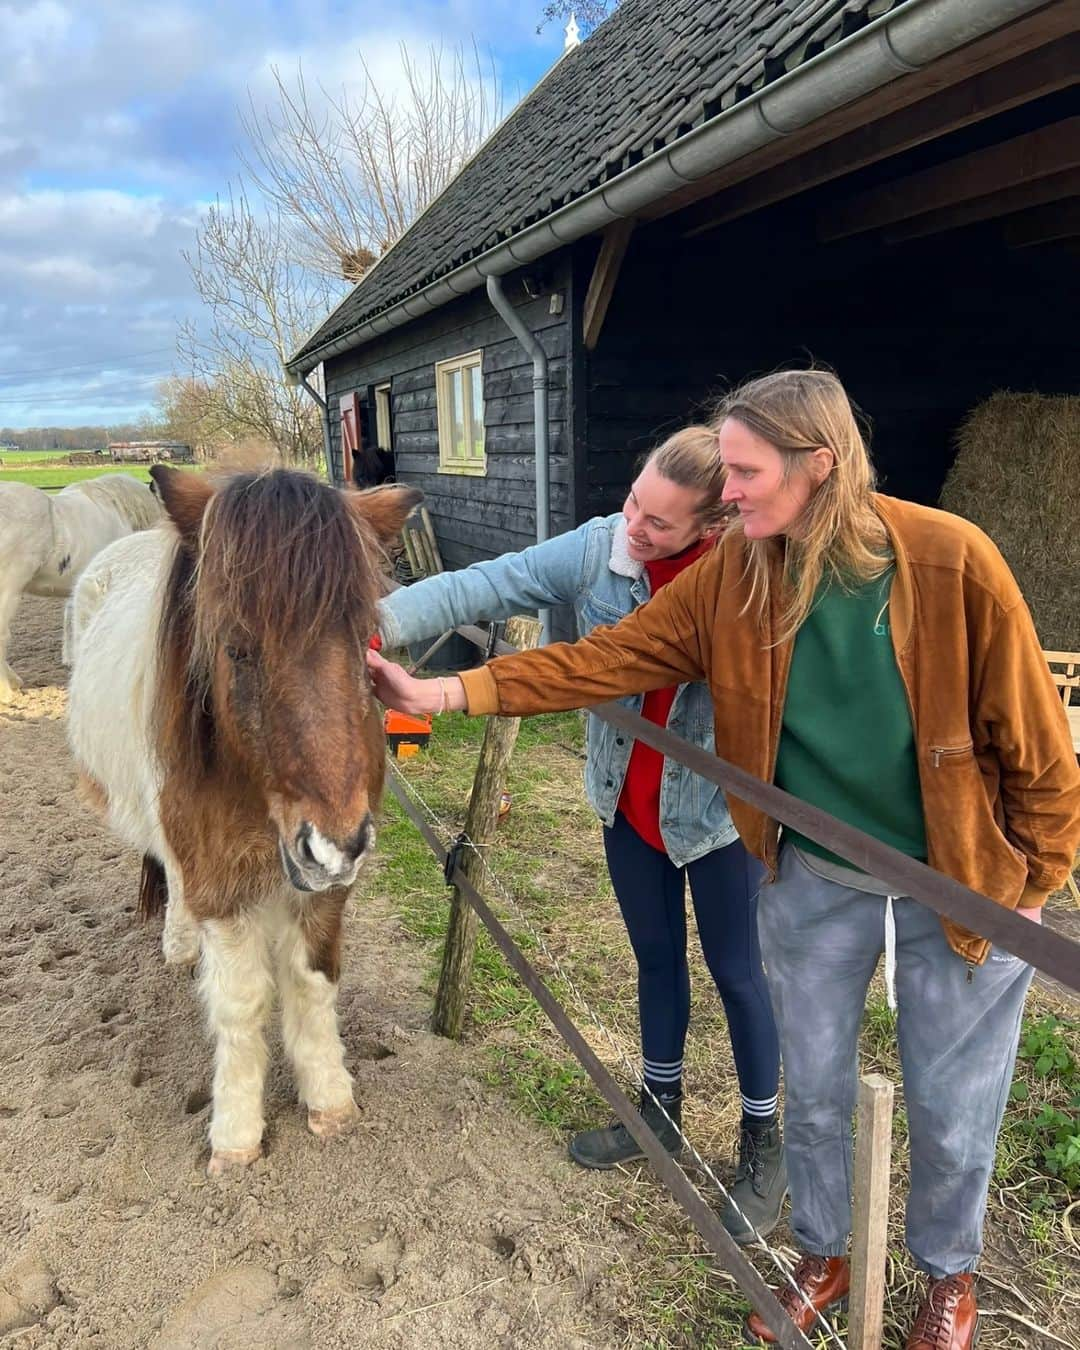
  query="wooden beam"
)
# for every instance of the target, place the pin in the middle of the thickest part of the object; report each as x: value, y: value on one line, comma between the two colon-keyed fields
x: 1024, y: 159
x: 1044, y: 225
x: 602, y: 284
x: 870, y: 1212
x: 984, y: 95
x: 1051, y: 189
x: 1060, y: 19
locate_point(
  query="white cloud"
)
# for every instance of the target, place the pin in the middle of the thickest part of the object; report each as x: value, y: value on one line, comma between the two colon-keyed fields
x: 119, y: 120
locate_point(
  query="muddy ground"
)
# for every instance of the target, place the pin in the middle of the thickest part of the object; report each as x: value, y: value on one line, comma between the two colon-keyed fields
x: 444, y: 1220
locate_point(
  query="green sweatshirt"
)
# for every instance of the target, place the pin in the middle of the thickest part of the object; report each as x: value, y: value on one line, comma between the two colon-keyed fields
x: 846, y: 743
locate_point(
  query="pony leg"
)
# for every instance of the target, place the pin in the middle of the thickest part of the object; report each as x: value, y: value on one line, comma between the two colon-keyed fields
x: 237, y: 986
x: 10, y: 594
x: 180, y: 936
x: 308, y: 971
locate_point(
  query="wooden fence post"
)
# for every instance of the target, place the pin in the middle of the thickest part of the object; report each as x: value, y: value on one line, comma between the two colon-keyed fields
x: 870, y: 1215
x: 480, y: 821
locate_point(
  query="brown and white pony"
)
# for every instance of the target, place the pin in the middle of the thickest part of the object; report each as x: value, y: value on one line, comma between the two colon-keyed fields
x: 222, y: 718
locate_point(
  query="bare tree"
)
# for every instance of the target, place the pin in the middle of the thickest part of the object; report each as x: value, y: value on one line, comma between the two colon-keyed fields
x: 587, y: 12
x: 261, y: 305
x: 349, y: 173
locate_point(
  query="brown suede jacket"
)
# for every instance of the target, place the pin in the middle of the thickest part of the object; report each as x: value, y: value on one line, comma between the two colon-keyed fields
x: 1000, y: 783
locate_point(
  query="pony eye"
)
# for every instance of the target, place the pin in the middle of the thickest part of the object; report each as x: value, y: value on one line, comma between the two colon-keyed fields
x: 236, y: 654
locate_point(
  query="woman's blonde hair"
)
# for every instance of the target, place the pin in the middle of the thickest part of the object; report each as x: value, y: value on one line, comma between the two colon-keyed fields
x: 691, y: 459
x: 840, y: 537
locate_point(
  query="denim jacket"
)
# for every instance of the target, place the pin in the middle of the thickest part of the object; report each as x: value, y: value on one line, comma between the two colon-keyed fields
x: 591, y: 569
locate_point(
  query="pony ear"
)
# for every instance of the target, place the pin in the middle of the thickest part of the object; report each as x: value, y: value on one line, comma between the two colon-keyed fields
x: 384, y: 509
x: 184, y: 496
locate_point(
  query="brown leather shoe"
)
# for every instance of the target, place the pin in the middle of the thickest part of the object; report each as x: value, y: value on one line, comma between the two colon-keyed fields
x: 823, y: 1279
x: 948, y: 1318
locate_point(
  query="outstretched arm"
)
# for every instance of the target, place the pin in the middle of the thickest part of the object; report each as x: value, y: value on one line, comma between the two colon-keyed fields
x: 550, y: 573
x: 659, y: 644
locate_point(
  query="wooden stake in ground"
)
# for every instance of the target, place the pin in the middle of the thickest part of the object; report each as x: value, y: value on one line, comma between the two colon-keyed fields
x: 455, y: 977
x: 870, y: 1215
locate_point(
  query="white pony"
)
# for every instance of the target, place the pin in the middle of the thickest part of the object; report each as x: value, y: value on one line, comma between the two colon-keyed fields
x: 46, y: 541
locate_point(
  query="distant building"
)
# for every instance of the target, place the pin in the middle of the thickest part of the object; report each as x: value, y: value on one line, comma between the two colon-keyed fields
x: 149, y: 452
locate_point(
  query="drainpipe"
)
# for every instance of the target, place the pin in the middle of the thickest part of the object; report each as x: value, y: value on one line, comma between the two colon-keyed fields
x: 324, y: 416
x: 541, y: 431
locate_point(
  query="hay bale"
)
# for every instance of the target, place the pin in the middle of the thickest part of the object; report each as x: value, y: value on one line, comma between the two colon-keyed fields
x: 1017, y: 476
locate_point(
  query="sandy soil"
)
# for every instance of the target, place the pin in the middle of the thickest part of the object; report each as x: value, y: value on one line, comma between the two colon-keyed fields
x: 443, y: 1221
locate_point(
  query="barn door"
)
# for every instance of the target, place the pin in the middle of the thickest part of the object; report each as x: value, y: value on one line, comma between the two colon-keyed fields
x: 350, y: 433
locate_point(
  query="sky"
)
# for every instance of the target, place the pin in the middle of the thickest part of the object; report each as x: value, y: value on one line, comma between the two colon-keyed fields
x: 120, y: 121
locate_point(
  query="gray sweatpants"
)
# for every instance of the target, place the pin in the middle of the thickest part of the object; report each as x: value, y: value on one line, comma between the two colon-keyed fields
x: 958, y: 1030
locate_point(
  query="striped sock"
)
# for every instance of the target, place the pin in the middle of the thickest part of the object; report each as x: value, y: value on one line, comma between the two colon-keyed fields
x: 663, y: 1079
x: 759, y: 1113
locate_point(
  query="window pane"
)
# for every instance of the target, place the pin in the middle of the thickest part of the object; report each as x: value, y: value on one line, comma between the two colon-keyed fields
x: 456, y: 409
x: 477, y: 381
x: 382, y: 418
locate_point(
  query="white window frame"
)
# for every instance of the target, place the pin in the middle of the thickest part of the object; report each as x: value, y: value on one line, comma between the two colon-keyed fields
x: 450, y: 459
x: 384, y: 432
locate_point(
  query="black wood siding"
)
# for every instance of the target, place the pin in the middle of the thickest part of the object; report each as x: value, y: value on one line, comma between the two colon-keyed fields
x: 475, y: 517
x: 919, y: 333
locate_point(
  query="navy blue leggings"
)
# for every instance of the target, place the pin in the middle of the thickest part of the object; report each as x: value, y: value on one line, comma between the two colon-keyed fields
x: 724, y: 885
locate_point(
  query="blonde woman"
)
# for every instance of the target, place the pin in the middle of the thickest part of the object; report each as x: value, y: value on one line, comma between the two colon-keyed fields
x: 875, y: 658
x: 663, y: 826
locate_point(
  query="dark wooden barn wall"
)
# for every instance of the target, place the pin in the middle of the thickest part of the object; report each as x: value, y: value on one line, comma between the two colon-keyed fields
x: 475, y: 517
x: 919, y: 333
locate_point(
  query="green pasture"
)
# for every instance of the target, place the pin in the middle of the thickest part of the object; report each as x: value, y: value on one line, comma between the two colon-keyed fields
x: 62, y: 474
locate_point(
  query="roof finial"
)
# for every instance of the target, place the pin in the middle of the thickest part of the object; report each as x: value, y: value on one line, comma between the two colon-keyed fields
x: 573, y: 34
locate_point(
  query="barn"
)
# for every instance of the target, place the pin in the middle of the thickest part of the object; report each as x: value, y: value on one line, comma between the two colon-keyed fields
x: 704, y: 191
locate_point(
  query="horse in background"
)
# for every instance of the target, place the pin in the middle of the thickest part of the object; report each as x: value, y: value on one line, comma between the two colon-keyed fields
x: 222, y: 718
x: 46, y: 540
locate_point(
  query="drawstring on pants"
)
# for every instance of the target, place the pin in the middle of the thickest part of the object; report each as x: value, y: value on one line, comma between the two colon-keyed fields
x: 890, y: 951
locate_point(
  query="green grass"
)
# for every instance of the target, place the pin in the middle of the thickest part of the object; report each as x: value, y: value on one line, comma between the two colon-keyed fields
x: 62, y: 475
x: 22, y: 458
x: 548, y: 853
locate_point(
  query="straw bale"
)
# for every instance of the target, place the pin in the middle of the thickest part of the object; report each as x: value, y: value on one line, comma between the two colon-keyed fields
x: 1017, y: 476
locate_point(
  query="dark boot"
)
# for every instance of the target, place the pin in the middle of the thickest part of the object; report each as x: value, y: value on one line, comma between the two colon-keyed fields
x: 760, y: 1184
x: 614, y: 1144
x: 823, y: 1284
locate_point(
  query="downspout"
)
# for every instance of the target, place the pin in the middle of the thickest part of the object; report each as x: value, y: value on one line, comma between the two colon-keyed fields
x: 541, y: 430
x: 324, y: 417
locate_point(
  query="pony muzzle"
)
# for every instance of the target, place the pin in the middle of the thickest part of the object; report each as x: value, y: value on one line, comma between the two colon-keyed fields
x: 314, y: 862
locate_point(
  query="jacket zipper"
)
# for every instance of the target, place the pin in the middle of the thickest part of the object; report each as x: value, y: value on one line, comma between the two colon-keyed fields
x: 940, y: 752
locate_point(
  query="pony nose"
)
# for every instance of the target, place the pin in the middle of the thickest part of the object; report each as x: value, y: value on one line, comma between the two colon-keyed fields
x: 316, y: 849
x: 362, y: 840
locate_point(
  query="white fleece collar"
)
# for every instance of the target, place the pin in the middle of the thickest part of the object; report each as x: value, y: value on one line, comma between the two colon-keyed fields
x: 620, y: 561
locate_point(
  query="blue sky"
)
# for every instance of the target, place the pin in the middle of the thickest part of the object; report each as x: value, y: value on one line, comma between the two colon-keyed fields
x: 119, y: 121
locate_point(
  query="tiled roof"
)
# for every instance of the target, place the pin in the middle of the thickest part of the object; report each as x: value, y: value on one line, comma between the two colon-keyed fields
x: 652, y: 72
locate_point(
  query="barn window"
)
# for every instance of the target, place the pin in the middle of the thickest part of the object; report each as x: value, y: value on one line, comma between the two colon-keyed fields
x: 459, y: 396
x: 383, y: 433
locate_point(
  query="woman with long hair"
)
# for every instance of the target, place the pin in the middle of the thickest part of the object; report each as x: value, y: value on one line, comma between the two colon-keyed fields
x: 876, y: 659
x: 662, y: 825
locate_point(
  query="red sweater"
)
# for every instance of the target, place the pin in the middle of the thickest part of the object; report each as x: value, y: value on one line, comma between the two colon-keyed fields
x: 639, y: 800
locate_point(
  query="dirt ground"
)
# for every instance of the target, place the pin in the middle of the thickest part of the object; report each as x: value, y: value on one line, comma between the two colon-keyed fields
x: 445, y: 1220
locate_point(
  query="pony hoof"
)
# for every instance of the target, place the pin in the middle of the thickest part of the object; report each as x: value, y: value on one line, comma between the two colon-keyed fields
x: 329, y: 1124
x: 222, y: 1159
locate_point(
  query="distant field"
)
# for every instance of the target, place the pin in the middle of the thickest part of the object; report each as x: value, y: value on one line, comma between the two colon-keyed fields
x: 61, y: 475
x: 13, y: 458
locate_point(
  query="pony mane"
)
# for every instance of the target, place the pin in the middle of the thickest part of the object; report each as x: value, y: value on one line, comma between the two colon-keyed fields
x: 281, y: 561
x: 127, y: 496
